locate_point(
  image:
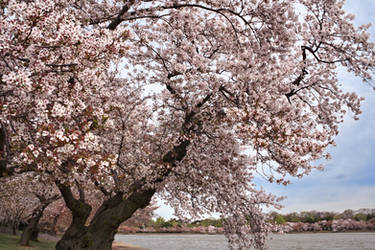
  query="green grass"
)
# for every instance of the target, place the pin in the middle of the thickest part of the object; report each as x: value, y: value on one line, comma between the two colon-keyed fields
x: 10, y: 242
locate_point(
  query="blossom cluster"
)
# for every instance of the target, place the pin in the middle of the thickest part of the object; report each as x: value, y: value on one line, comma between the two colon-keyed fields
x: 76, y: 103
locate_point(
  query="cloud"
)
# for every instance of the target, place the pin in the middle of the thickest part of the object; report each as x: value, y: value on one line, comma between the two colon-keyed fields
x: 330, y: 198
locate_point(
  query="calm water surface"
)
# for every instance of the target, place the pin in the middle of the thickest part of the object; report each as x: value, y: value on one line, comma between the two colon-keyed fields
x: 306, y: 241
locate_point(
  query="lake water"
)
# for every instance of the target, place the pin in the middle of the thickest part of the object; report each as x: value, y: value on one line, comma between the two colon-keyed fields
x: 303, y: 241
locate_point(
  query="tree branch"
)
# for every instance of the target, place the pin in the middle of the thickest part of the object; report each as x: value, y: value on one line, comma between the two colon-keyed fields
x: 118, y: 19
x: 80, y: 191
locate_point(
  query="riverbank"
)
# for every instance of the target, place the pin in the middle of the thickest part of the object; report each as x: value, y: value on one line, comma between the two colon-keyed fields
x: 340, y: 225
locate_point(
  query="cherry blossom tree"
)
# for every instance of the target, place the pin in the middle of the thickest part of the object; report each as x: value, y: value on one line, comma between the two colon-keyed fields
x: 14, y: 204
x: 23, y: 200
x: 46, y: 195
x: 140, y: 98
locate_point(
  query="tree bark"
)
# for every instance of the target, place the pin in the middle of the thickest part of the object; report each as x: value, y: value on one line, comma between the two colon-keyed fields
x: 3, y: 144
x: 35, y: 234
x: 99, y: 234
x: 75, y: 236
x: 14, y: 228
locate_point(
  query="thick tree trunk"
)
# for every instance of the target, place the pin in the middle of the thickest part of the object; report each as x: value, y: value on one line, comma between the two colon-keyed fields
x: 100, y: 239
x: 103, y: 227
x: 75, y: 237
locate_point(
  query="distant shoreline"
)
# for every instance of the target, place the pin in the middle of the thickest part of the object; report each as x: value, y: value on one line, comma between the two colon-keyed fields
x: 340, y: 225
x: 291, y: 241
x: 303, y: 232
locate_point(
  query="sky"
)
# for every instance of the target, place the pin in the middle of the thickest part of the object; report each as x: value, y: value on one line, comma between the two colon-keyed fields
x: 348, y: 181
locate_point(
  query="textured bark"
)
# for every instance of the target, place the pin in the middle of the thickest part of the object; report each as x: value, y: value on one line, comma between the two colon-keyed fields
x: 103, y: 227
x: 75, y: 236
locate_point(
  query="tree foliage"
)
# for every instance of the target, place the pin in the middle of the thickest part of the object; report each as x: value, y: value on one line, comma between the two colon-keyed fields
x: 76, y: 103
x: 23, y: 198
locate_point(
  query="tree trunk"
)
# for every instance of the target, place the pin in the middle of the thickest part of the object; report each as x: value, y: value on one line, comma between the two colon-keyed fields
x: 4, y: 151
x: 103, y: 227
x: 14, y: 229
x: 101, y: 239
x: 75, y: 237
x: 35, y: 234
x: 31, y: 231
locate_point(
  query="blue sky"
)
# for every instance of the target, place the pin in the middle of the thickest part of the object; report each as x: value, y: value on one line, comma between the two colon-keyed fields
x: 348, y: 181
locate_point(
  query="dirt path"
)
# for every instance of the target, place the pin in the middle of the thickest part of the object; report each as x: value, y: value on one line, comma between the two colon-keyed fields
x: 120, y: 245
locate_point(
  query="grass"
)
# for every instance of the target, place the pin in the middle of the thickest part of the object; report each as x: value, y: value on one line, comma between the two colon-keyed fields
x: 10, y: 242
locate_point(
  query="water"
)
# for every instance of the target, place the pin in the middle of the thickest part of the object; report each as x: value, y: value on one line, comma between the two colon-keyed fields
x: 305, y: 241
